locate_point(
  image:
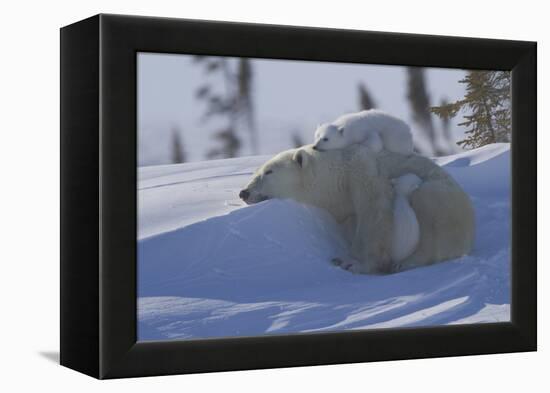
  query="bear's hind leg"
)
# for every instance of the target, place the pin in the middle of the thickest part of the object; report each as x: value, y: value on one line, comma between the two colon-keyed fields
x: 372, y: 241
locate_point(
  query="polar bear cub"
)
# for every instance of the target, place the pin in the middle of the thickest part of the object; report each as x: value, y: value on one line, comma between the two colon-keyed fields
x: 373, y: 128
x: 406, y: 230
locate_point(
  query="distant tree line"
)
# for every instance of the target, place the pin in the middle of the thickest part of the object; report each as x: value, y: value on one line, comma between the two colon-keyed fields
x: 486, y: 107
x: 233, y: 104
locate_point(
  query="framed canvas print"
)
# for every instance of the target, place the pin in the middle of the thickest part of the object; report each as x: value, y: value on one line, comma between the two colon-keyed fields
x: 239, y: 196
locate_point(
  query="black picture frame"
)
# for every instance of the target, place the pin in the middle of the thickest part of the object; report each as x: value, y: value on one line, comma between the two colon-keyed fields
x: 98, y: 196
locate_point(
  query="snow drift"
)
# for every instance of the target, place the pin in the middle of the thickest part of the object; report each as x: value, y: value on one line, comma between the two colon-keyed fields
x: 209, y: 266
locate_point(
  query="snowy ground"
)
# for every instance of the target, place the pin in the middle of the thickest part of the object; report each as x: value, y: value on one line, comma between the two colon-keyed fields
x: 209, y: 266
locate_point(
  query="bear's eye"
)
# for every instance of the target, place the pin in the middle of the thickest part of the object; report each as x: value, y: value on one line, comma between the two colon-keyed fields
x: 325, y: 139
x: 269, y: 172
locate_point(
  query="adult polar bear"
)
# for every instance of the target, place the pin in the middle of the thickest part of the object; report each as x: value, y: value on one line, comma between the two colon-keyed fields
x: 354, y: 185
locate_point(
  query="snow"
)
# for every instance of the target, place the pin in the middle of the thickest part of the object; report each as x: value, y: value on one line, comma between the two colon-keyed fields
x: 209, y: 266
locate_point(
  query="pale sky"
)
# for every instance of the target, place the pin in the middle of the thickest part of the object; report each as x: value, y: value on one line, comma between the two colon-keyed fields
x: 289, y: 96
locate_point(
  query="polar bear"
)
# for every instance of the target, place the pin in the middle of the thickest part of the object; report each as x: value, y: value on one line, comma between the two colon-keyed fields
x: 406, y: 230
x: 354, y: 186
x: 373, y: 128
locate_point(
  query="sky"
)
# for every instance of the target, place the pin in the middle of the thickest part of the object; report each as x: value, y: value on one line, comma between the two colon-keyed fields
x: 289, y: 97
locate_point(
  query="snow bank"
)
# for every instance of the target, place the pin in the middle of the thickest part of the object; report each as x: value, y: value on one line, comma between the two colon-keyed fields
x: 208, y: 266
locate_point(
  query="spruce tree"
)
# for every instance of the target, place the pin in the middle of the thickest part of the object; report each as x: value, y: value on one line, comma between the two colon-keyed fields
x: 365, y: 99
x: 233, y: 102
x: 245, y: 101
x: 419, y: 101
x: 230, y: 144
x: 487, y: 101
x: 178, y: 154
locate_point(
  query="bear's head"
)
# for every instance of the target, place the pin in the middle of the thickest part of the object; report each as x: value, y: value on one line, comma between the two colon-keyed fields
x: 280, y: 177
x: 329, y: 137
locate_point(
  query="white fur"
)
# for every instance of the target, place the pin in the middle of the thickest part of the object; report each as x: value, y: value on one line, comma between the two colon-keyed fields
x: 373, y: 128
x: 406, y: 230
x: 354, y: 185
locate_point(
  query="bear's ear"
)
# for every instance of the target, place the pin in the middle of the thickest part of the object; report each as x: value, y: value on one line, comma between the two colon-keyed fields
x: 341, y: 130
x: 299, y: 158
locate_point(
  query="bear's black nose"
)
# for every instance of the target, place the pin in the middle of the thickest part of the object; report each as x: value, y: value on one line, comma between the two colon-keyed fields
x: 244, y: 194
x: 314, y: 148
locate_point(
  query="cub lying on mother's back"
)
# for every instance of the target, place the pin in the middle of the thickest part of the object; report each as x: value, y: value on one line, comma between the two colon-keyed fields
x: 355, y: 184
x: 373, y: 128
